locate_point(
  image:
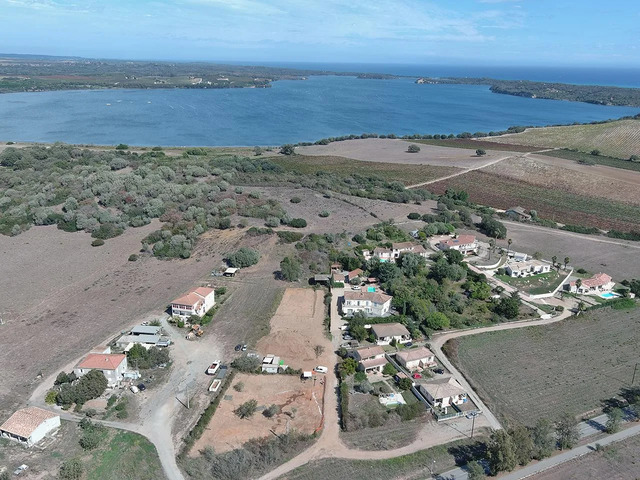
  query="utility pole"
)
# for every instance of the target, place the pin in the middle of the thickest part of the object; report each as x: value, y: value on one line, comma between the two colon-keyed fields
x: 633, y: 379
x: 473, y: 422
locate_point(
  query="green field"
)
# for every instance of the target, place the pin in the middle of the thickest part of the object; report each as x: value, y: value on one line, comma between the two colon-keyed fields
x: 598, y: 159
x: 390, y: 172
x: 619, y: 139
x: 413, y: 466
x: 127, y: 455
x: 543, y: 371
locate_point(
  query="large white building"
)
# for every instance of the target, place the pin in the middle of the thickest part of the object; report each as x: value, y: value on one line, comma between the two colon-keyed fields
x: 29, y: 425
x: 113, y: 366
x: 527, y: 268
x: 372, y: 304
x: 197, y: 302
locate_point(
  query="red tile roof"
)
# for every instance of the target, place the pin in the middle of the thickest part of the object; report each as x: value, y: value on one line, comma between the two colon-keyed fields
x: 99, y: 361
x: 355, y: 273
x: 460, y: 240
x: 598, y: 280
x: 375, y: 297
x: 23, y: 422
x: 194, y: 297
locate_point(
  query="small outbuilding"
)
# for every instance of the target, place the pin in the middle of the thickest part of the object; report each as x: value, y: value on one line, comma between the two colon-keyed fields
x: 29, y: 425
x: 231, y: 272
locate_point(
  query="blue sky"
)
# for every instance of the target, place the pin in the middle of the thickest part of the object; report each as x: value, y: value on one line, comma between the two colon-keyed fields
x: 496, y: 32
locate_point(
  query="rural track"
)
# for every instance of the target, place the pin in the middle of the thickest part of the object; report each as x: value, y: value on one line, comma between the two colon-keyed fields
x: 479, y: 167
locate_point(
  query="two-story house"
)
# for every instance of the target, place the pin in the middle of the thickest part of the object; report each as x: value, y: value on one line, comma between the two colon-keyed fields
x: 197, y: 302
x: 371, y: 359
x: 372, y: 304
x: 385, y: 333
x: 465, y: 244
x: 112, y: 365
x: 416, y: 358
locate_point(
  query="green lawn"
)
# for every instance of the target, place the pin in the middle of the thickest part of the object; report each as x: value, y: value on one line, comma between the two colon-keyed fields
x: 537, y: 284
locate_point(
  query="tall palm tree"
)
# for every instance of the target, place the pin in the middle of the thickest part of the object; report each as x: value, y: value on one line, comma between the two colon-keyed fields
x: 566, y: 262
x: 578, y: 284
x: 554, y: 259
x: 509, y: 242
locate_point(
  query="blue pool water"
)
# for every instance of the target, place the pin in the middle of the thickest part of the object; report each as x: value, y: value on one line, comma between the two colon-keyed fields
x: 608, y: 295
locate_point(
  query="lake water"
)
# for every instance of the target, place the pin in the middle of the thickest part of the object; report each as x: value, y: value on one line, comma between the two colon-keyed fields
x: 289, y: 112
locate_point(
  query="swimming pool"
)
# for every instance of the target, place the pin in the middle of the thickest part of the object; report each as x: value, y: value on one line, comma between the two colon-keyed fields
x: 609, y: 295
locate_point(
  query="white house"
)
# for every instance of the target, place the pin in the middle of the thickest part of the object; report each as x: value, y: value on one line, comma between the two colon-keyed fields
x: 600, y: 282
x: 372, y: 359
x: 385, y: 333
x: 197, y: 302
x: 272, y: 364
x: 397, y: 249
x: 527, y: 268
x: 29, y: 425
x: 382, y: 254
x: 416, y: 358
x: 372, y: 304
x: 443, y: 392
x: 465, y: 244
x: 113, y: 366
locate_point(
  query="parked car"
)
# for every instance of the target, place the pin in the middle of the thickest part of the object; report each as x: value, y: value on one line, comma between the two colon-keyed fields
x: 439, y: 371
x: 238, y: 347
x: 142, y: 387
x: 244, y: 348
x: 21, y: 469
x: 416, y: 376
x: 346, y: 336
x: 356, y: 287
x: 408, y: 344
x: 134, y: 389
x: 321, y: 369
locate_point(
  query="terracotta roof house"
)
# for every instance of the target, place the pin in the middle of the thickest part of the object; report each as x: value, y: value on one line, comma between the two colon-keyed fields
x: 355, y: 274
x: 465, y: 244
x: 112, y: 365
x: 196, y: 302
x: 372, y: 359
x: 385, y: 333
x: 372, y: 304
x: 443, y: 392
x: 416, y: 358
x: 29, y: 425
x: 599, y: 283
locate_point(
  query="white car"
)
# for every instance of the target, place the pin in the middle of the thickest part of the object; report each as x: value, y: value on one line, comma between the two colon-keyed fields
x: 356, y: 287
x: 21, y: 469
x: 321, y: 369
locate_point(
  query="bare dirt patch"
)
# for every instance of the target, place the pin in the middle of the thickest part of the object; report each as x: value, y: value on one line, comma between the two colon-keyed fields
x: 395, y: 151
x: 604, y: 172
x: 296, y: 329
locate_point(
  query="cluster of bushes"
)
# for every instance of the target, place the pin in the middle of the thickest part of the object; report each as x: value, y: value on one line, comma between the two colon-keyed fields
x: 289, y: 237
x: 78, y: 391
x: 243, y: 257
x: 140, y: 357
x: 92, y: 434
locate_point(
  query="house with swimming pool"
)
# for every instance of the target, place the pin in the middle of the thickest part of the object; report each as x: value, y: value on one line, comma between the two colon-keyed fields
x: 600, y: 284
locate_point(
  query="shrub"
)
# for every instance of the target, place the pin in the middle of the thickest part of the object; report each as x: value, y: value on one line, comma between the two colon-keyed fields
x: 288, y: 149
x: 480, y: 152
x: 271, y: 411
x: 220, y: 291
x: 50, y: 397
x: 111, y: 401
x: 413, y: 148
x: 405, y: 384
x: 595, y: 152
x: 389, y: 369
x: 295, y: 200
x: 414, y: 216
x: 122, y: 414
x: 298, y: 223
x: 98, y: 242
x: 71, y: 469
x: 122, y: 146
x: 289, y: 237
x: 290, y: 269
x: 410, y: 412
x: 243, y: 257
x: 133, y: 257
x: 246, y: 364
x: 324, y: 214
x: 238, y: 387
x: 247, y: 409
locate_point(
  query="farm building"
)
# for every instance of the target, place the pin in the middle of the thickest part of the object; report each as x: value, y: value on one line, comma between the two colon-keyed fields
x: 144, y: 340
x: 145, y: 330
x: 197, y: 302
x: 231, y: 272
x: 272, y: 364
x: 443, y: 392
x: 599, y: 283
x: 29, y: 425
x: 465, y: 244
x: 372, y: 304
x: 519, y: 214
x: 113, y: 366
x: 372, y: 359
x: 527, y: 268
x: 385, y: 333
x: 416, y: 358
